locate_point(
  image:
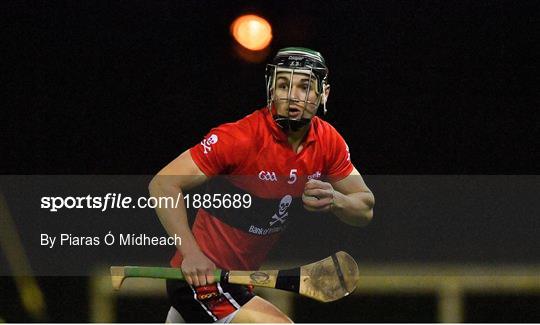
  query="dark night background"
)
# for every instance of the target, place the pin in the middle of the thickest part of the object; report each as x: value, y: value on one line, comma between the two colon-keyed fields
x: 423, y: 87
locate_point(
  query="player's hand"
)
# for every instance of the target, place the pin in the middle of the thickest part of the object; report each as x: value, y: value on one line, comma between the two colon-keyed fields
x: 198, y: 269
x: 318, y: 196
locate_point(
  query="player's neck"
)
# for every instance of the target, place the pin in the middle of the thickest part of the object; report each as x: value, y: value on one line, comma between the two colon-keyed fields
x: 295, y: 138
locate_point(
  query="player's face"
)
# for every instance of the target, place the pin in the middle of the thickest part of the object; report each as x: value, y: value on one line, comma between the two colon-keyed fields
x: 290, y: 97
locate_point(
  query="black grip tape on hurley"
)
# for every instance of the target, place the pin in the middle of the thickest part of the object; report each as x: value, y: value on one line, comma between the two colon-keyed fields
x: 289, y: 280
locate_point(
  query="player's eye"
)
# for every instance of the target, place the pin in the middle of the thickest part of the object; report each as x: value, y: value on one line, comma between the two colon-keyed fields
x: 304, y: 87
x: 283, y: 85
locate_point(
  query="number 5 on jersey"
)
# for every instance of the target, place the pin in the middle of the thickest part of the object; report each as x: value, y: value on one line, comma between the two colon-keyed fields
x: 292, y: 176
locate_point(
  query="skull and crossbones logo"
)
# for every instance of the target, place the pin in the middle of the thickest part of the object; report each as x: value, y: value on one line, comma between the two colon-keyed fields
x: 282, y: 211
x: 206, y: 143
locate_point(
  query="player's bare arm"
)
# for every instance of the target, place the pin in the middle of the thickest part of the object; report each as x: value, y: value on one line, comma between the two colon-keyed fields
x: 181, y: 175
x: 349, y: 199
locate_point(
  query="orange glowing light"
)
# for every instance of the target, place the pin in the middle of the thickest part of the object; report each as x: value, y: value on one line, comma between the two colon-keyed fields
x: 252, y: 32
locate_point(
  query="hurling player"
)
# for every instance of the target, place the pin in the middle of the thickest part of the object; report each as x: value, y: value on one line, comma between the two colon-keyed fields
x: 291, y: 160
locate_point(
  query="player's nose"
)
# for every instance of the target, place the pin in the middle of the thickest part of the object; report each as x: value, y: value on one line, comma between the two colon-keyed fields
x: 298, y: 94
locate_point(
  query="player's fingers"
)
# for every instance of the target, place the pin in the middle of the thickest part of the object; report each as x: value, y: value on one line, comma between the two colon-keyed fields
x: 307, y: 198
x: 317, y: 204
x: 210, y: 276
x: 188, y: 278
x: 321, y: 203
x: 318, y: 193
x: 312, y: 183
x: 201, y: 276
x: 194, y: 279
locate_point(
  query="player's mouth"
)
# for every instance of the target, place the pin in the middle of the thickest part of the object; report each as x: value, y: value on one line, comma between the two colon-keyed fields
x: 294, y: 112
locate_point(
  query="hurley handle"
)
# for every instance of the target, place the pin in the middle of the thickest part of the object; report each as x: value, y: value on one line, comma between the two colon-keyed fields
x: 159, y: 272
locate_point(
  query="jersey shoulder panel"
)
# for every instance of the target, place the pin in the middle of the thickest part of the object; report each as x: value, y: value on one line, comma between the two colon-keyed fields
x: 224, y: 147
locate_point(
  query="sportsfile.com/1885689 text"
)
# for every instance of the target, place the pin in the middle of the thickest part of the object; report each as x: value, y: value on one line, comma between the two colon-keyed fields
x: 120, y: 201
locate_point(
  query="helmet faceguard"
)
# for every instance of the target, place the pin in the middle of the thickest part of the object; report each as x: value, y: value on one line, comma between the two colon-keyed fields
x: 290, y: 62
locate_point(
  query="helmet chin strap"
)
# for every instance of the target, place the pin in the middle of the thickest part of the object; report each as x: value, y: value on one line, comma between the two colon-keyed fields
x: 288, y: 124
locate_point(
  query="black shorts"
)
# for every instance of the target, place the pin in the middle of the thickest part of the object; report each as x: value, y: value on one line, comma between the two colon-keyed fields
x: 207, y: 304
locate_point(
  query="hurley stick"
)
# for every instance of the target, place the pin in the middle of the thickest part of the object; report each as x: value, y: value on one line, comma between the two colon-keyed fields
x: 326, y: 280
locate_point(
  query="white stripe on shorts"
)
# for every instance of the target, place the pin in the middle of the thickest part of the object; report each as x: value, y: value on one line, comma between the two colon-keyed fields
x: 228, y: 296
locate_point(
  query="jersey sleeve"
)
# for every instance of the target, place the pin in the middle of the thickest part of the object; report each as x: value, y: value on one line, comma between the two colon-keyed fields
x: 339, y: 159
x: 217, y: 153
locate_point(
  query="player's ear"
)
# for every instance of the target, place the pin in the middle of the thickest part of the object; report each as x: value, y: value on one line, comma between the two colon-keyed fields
x: 324, y: 97
x: 326, y: 93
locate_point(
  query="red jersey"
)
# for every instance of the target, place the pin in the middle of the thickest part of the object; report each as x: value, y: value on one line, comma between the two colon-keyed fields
x: 253, y: 156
